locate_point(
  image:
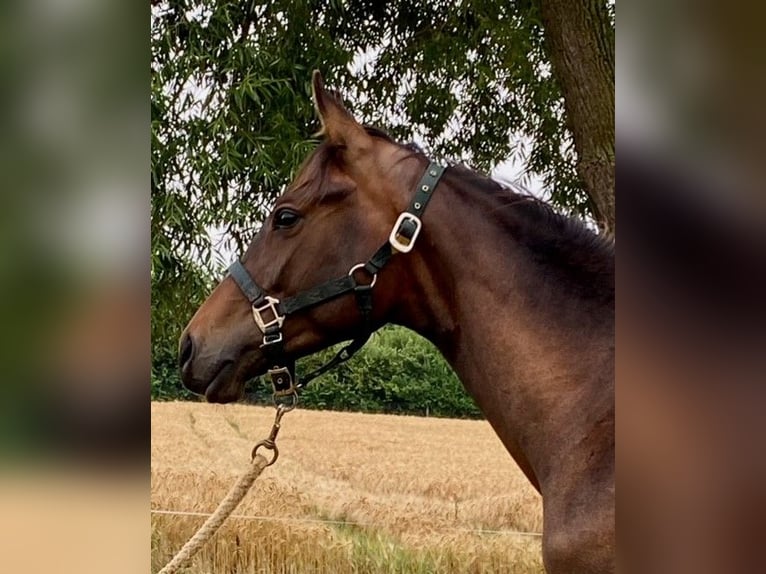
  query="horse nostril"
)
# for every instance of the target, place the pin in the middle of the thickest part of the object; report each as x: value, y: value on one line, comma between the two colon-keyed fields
x: 186, y: 350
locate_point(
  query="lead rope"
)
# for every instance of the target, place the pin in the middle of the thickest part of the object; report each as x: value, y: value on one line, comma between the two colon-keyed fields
x: 234, y: 496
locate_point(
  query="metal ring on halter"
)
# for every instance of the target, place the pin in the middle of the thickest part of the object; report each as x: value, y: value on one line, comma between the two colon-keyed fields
x: 358, y: 266
x: 268, y: 445
x: 286, y: 407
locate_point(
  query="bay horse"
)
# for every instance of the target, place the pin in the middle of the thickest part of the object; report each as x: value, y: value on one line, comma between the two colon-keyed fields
x: 518, y: 299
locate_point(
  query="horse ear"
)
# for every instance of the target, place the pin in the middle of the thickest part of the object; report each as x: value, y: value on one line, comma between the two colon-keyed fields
x: 338, y: 125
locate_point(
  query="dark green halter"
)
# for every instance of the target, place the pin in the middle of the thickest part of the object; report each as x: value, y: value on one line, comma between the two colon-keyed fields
x: 269, y: 312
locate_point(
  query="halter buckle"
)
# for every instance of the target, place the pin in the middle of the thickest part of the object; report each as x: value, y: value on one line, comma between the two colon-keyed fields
x: 401, y: 241
x: 282, y: 381
x: 270, y: 305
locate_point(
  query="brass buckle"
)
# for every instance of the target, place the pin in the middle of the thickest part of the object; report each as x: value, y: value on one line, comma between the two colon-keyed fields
x: 282, y: 382
x: 270, y: 305
x: 394, y: 238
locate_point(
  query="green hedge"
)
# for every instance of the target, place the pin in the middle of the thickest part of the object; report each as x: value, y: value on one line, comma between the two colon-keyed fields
x: 397, y: 372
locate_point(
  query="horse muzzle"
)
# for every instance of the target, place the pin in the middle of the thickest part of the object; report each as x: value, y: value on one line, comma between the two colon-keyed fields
x: 213, y: 375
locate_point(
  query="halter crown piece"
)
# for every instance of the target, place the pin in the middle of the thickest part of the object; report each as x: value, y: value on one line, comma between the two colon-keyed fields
x: 269, y: 312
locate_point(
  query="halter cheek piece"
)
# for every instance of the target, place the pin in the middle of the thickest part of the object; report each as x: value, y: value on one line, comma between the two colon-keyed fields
x: 269, y: 312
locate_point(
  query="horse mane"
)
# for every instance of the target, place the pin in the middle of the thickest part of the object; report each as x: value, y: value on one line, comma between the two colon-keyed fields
x: 572, y: 227
x: 571, y: 253
x: 545, y: 218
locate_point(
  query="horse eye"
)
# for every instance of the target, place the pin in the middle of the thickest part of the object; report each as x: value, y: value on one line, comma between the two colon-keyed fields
x: 286, y: 218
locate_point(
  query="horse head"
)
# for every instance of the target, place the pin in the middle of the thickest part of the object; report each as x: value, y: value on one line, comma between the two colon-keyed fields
x: 340, y: 208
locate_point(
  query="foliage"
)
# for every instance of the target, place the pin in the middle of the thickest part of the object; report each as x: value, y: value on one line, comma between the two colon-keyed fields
x: 178, y: 288
x: 396, y: 372
x: 231, y: 109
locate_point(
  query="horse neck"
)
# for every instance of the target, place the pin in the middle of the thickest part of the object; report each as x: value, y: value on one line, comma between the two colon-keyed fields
x: 534, y: 351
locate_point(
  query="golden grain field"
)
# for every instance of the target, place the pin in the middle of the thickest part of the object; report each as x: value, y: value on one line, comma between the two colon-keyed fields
x: 350, y: 493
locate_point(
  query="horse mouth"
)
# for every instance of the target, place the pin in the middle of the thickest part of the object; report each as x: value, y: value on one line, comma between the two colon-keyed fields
x: 224, y: 387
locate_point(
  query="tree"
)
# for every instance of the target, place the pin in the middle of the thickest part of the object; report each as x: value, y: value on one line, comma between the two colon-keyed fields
x: 231, y: 109
x: 580, y: 40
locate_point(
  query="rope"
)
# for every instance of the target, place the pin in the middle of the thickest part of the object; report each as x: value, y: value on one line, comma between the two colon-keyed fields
x: 212, y: 524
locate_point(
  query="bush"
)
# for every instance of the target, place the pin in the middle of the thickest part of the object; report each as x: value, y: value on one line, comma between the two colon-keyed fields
x: 396, y: 372
x: 166, y: 379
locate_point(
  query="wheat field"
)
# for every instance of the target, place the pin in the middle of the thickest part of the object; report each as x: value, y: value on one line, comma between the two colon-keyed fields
x: 350, y: 493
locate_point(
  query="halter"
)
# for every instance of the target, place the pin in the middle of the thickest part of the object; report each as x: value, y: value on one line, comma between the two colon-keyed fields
x: 269, y: 312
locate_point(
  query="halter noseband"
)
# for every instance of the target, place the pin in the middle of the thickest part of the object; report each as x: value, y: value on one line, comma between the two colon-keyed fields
x: 269, y: 312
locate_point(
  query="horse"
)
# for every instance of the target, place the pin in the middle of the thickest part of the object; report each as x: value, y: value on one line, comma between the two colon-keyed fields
x: 518, y: 298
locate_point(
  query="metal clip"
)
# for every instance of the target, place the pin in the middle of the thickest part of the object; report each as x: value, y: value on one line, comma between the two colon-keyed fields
x: 270, y: 443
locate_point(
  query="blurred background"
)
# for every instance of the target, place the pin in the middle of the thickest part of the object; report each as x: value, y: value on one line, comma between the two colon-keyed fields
x: 691, y: 328
x: 74, y: 286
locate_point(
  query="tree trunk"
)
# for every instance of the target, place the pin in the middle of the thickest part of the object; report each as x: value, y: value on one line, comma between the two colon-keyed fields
x: 580, y: 42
